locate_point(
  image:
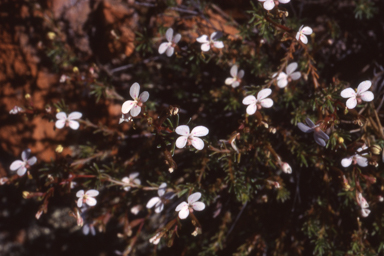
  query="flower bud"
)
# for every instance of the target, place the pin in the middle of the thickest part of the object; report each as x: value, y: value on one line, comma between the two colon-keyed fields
x: 376, y: 149
x: 341, y: 140
x: 286, y: 167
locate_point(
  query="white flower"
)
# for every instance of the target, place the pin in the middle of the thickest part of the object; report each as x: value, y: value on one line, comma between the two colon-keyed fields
x: 206, y: 44
x: 158, y: 202
x: 364, y: 205
x: 236, y: 77
x: 284, y: 78
x: 22, y: 165
x: 131, y: 180
x: 191, y: 138
x: 270, y: 4
x: 156, y: 238
x: 3, y: 180
x: 15, y: 110
x: 135, y: 105
x: 356, y: 97
x: 169, y: 47
x: 261, y: 101
x: 63, y: 120
x: 320, y: 137
x: 87, y: 198
x: 184, y: 208
x: 125, y: 118
x: 356, y: 159
x: 286, y: 167
x: 302, y: 32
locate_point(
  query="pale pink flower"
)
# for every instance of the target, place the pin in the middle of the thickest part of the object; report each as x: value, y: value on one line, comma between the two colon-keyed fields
x: 206, y: 44
x: 286, y: 167
x: 156, y: 238
x: 169, y: 47
x: 15, y: 110
x: 87, y: 197
x: 235, y: 80
x: 356, y: 159
x: 320, y: 137
x: 135, y: 105
x: 158, y: 202
x: 131, y: 180
x: 21, y: 166
x: 191, y: 138
x: 302, y: 32
x: 3, y: 180
x: 270, y: 4
x: 363, y: 205
x: 185, y: 208
x: 362, y: 93
x: 284, y: 78
x: 260, y: 102
x: 63, y: 120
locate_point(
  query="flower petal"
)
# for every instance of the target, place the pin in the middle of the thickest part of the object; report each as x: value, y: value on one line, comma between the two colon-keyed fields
x: 229, y: 81
x: 199, y: 131
x: 309, y: 122
x: 266, y: 103
x: 348, y: 93
x: 144, y: 96
x: 127, y: 106
x: 282, y: 83
x: 235, y: 84
x: 264, y: 94
x: 304, y: 128
x: 218, y: 44
x: 251, y: 109
x: 61, y: 115
x: 169, y: 34
x: 364, y: 86
x: 60, y: 124
x: 365, y: 212
x: 159, y: 208
x: 351, y: 103
x: 362, y: 202
x: 303, y: 39
x: 250, y: 99
x: 163, y: 47
x: 25, y: 154
x: 198, y: 206
x: 197, y: 143
x: 80, y: 193
x: 322, y: 135
x: 153, y: 201
x: 295, y: 76
x: 21, y: 171
x: 92, y: 192
x: 133, y: 175
x: 367, y: 96
x: 182, y: 130
x: 177, y: 38
x: 134, y: 91
x: 205, y: 47
x: 135, y: 111
x: 32, y: 161
x: 170, y: 51
x: 202, y: 39
x: 233, y: 71
x: 91, y: 201
x: 181, y: 141
x: 291, y: 67
x: 346, y: 162
x: 75, y: 115
x: 362, y: 161
x: 194, y: 197
x: 240, y: 74
x: 183, y: 214
x: 16, y: 165
x: 297, y: 36
x: 269, y: 4
x: 80, y: 202
x: 161, y: 190
x: 319, y: 140
x: 284, y: 1
x: 181, y: 206
x: 306, y: 30
x: 74, y: 125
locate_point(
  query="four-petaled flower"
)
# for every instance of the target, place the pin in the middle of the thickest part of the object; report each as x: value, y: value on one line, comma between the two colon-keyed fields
x: 63, y: 120
x: 206, y: 44
x: 363, y: 204
x: 320, y: 137
x: 284, y: 78
x: 355, y: 159
x: 185, y: 208
x: 270, y: 4
x: 131, y: 180
x: 87, y: 197
x: 158, y: 202
x: 169, y: 47
x: 235, y: 80
x: 362, y: 93
x: 135, y: 105
x: 302, y: 32
x: 22, y: 165
x: 191, y: 138
x: 261, y: 101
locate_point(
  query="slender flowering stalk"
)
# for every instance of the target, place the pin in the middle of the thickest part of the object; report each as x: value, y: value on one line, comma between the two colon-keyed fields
x: 270, y: 4
x: 260, y: 102
x: 169, y: 47
x: 63, y: 120
x: 207, y: 44
x: 302, y: 32
x: 185, y: 208
x: 158, y: 202
x: 191, y: 137
x: 135, y: 105
x: 284, y: 78
x: 87, y: 197
x: 361, y: 93
x: 356, y: 159
x: 21, y: 166
x: 320, y: 137
x: 235, y: 80
x: 131, y: 180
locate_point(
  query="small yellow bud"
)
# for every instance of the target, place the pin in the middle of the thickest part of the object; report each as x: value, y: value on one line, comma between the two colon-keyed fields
x: 341, y: 140
x: 75, y: 69
x: 59, y: 149
x: 376, y: 149
x: 25, y: 194
x: 27, y: 96
x: 51, y: 35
